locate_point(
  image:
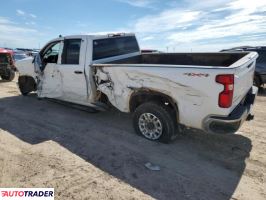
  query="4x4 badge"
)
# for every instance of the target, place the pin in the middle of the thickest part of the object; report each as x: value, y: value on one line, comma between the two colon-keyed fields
x: 196, y: 74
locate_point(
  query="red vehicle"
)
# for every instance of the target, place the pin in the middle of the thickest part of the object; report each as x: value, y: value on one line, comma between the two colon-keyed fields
x: 7, y: 67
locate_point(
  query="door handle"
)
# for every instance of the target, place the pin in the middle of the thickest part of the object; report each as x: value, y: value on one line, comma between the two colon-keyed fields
x: 78, y: 72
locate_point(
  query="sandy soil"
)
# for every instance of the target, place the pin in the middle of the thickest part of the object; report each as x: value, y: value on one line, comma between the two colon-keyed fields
x: 98, y: 156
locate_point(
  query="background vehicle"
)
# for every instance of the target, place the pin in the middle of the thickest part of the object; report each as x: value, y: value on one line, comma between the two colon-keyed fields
x: 208, y: 91
x: 19, y: 55
x: 7, y: 68
x: 260, y: 70
x: 27, y: 52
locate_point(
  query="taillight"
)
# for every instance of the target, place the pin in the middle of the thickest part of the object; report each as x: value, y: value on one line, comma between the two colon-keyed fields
x: 226, y: 96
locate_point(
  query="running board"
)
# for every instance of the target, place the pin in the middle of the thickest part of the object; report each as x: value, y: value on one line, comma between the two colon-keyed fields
x: 77, y: 106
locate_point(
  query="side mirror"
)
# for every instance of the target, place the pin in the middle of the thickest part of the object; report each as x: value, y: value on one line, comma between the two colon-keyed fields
x: 37, y: 64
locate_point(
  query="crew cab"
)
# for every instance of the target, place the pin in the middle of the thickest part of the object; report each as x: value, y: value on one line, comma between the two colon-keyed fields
x: 165, y: 91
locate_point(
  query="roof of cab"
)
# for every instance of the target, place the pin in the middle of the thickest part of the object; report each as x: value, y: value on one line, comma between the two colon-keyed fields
x: 94, y: 36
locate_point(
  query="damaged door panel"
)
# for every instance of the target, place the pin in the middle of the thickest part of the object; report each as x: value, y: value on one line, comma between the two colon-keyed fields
x: 49, y: 77
x: 50, y: 82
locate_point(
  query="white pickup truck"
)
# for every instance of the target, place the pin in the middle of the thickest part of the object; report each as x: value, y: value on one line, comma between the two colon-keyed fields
x: 208, y: 91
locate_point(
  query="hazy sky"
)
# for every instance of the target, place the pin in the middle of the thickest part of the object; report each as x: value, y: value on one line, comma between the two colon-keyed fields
x: 185, y: 25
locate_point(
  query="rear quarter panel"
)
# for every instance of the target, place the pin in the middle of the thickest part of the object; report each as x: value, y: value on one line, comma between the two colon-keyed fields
x: 193, y: 88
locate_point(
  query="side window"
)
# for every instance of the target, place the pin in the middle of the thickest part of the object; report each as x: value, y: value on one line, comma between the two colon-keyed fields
x: 50, y: 54
x: 71, y: 51
x: 109, y: 47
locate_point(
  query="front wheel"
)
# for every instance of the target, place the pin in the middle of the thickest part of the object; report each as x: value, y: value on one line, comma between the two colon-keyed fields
x: 26, y: 85
x: 155, y: 122
x: 9, y: 76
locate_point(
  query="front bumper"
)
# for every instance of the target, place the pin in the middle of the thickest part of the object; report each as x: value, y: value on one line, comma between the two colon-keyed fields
x: 232, y: 122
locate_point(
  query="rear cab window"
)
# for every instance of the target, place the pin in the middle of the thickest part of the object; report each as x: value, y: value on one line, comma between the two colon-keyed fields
x: 114, y: 46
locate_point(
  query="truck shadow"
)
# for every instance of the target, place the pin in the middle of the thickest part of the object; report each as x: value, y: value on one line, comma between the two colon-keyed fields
x: 196, y: 166
x: 262, y: 92
x: 3, y: 81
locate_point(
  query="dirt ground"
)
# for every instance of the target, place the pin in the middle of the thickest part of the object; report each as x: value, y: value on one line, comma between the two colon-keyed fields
x: 98, y: 156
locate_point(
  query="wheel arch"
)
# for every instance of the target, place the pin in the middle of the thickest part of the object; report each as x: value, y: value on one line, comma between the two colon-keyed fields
x: 145, y: 95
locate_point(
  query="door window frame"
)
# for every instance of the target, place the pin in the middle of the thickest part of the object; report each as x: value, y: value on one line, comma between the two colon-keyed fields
x: 64, y: 51
x: 46, y: 47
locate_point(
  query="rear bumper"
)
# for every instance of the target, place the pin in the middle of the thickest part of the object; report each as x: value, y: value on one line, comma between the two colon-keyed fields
x: 232, y: 122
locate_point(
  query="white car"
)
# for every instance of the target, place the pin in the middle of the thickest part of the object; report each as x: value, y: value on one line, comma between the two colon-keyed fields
x: 208, y: 91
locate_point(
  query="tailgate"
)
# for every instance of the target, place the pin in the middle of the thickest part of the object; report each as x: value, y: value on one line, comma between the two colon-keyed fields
x: 244, y: 73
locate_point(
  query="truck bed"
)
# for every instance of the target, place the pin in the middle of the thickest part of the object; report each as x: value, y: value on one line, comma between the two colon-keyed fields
x: 190, y: 78
x: 198, y: 59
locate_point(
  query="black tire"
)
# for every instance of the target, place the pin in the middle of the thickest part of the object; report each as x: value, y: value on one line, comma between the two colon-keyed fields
x: 23, y: 85
x: 9, y: 76
x: 165, y: 116
x: 257, y: 81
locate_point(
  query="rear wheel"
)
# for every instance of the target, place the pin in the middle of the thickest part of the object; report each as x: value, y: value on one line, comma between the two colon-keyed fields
x: 9, y: 76
x: 155, y: 122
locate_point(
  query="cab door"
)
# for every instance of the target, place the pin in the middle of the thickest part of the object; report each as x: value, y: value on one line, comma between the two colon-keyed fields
x: 72, y: 70
x: 49, y: 77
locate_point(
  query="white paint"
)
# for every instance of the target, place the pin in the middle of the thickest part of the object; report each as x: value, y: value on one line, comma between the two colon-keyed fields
x: 196, y: 97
